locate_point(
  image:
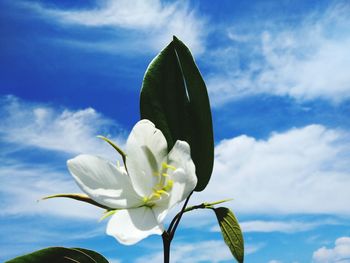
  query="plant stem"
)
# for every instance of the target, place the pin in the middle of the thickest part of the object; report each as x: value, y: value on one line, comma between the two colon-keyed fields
x: 190, y: 208
x: 168, y: 235
x: 166, y: 246
x: 176, y: 220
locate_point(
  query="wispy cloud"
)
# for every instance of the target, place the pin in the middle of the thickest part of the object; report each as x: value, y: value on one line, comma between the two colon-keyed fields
x: 25, y: 185
x: 275, y: 261
x: 43, y: 126
x: 27, y: 129
x: 139, y: 25
x: 199, y: 252
x: 28, y: 233
x: 252, y: 248
x: 278, y: 226
x: 305, y: 62
x: 339, y: 253
x: 297, y: 171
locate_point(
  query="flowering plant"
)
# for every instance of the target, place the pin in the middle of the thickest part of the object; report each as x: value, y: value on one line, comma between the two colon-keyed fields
x: 169, y: 155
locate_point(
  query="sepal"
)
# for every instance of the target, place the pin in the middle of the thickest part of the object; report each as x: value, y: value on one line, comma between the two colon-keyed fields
x: 79, y: 197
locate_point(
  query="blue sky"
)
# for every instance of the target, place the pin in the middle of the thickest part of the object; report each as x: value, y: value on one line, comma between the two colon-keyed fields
x: 279, y: 84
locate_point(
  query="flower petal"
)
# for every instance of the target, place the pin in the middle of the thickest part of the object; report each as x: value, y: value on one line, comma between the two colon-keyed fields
x: 146, y: 148
x: 184, y: 178
x: 129, y: 226
x: 103, y: 182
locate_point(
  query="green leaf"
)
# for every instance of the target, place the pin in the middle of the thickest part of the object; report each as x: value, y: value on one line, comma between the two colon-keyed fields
x: 174, y: 97
x: 231, y: 232
x: 60, y: 255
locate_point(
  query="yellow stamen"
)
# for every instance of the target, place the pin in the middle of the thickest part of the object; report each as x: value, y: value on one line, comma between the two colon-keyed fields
x: 145, y: 199
x: 171, y: 167
x: 165, y: 174
x: 155, y: 194
x: 161, y: 192
x: 169, y: 185
x: 167, y: 166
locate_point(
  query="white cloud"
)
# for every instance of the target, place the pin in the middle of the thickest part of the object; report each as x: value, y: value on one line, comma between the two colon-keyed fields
x: 73, y: 132
x: 339, y: 253
x: 30, y: 235
x: 278, y: 226
x: 28, y: 129
x: 199, y: 252
x: 33, y: 128
x: 305, y: 62
x: 150, y: 24
x: 252, y: 248
x: 24, y: 185
x: 298, y: 171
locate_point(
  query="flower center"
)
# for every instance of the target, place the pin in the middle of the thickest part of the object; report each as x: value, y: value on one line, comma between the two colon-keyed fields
x: 162, y: 188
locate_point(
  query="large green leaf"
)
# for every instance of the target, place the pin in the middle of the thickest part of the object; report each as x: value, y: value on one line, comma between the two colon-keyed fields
x: 60, y: 255
x: 174, y: 97
x: 231, y: 232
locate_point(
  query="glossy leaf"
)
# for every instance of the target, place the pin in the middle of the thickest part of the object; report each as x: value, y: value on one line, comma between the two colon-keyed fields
x: 174, y: 97
x: 60, y: 255
x: 231, y: 232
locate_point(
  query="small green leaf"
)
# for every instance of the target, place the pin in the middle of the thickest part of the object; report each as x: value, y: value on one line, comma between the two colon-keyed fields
x: 79, y: 197
x: 174, y: 97
x: 60, y: 255
x: 231, y: 232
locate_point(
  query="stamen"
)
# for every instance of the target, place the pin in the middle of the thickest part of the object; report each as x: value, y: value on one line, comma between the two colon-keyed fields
x: 171, y: 167
x: 162, y: 192
x: 155, y: 194
x: 145, y: 199
x: 165, y: 174
x: 169, y: 185
x: 167, y: 166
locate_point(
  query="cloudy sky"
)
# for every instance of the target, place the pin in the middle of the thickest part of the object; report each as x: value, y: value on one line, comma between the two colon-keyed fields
x: 279, y: 84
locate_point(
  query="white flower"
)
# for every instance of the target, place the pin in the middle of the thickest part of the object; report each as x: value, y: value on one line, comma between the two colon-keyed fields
x: 154, y: 182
